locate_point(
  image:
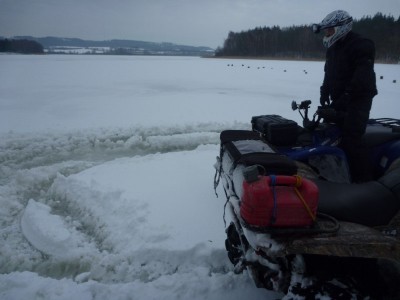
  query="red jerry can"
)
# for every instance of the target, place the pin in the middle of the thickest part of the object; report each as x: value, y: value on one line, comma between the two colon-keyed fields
x: 279, y: 201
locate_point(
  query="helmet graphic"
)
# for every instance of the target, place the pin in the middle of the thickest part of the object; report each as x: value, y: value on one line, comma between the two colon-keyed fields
x: 340, y: 21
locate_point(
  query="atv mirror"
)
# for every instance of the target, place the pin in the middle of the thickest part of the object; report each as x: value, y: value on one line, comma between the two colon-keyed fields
x: 305, y: 104
x: 294, y: 105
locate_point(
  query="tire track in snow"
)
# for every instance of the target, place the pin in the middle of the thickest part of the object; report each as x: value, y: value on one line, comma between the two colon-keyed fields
x: 29, y: 165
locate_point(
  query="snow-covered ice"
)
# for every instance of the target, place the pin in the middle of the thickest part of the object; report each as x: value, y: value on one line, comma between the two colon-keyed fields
x: 106, y: 170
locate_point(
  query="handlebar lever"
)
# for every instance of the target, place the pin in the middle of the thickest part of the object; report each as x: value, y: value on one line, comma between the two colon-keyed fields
x: 307, y: 123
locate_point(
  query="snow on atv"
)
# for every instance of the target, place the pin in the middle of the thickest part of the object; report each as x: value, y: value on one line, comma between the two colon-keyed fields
x: 297, y: 222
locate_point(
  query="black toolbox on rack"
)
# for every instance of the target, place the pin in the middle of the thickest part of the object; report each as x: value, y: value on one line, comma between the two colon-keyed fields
x: 276, y: 129
x: 247, y: 148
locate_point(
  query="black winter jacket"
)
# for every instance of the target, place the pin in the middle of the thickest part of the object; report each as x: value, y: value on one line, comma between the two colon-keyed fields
x: 349, y: 68
x: 350, y: 80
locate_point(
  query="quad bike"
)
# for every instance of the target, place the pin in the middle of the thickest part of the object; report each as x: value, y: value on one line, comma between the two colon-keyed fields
x: 294, y: 212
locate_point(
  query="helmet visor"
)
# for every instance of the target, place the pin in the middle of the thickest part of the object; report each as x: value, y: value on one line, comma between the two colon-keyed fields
x: 316, y: 28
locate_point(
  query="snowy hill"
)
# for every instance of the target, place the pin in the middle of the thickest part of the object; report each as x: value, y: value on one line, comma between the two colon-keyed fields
x: 131, y: 47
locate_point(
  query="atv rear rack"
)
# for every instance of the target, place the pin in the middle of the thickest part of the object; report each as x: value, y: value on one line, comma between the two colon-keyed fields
x: 351, y: 240
x: 324, y: 224
x: 387, y: 122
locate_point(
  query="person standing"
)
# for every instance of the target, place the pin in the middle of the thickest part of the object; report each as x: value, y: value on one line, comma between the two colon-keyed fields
x: 348, y: 87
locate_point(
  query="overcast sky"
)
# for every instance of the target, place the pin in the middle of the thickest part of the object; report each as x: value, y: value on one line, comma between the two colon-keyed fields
x: 188, y: 22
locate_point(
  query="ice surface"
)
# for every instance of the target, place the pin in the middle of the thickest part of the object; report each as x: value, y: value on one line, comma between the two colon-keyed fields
x: 49, y: 234
x: 106, y: 170
x: 43, y: 230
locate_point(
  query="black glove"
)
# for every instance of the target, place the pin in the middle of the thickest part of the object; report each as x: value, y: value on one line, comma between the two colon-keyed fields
x: 329, y: 114
x: 324, y: 99
x: 309, y: 124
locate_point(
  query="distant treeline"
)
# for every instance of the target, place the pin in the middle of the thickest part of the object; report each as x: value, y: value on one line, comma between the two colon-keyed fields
x: 21, y: 46
x: 299, y: 42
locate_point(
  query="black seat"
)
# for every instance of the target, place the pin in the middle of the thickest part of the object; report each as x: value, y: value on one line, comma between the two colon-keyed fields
x: 372, y: 203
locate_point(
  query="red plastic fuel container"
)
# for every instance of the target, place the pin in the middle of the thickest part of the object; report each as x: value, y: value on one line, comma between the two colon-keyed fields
x: 279, y: 201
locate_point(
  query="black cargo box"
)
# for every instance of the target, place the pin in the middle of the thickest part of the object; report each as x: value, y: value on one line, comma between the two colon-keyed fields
x: 247, y: 148
x: 276, y: 129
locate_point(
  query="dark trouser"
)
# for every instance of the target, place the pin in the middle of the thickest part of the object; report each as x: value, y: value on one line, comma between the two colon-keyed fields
x: 354, y: 125
x: 358, y: 158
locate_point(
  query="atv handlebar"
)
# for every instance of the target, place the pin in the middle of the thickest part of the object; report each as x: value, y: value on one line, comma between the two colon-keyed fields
x: 304, y: 106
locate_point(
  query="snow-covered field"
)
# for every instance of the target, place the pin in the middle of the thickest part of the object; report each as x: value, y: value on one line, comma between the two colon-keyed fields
x: 106, y: 170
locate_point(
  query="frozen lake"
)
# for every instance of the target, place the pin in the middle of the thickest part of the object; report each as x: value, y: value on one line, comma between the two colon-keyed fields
x: 106, y: 170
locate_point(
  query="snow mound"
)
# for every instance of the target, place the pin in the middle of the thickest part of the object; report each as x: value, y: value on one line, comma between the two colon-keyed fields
x: 48, y: 232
